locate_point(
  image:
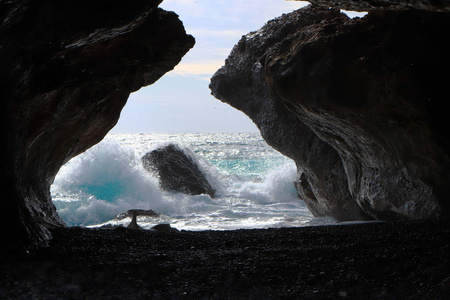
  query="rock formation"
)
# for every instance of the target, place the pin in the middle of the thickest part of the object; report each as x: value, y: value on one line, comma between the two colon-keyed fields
x: 133, y: 224
x: 138, y: 212
x: 357, y: 103
x: 164, y: 228
x: 177, y: 171
x: 67, y: 69
x: 376, y: 5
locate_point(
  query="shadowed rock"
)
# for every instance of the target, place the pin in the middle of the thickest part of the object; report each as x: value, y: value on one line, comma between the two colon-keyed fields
x: 377, y: 5
x: 357, y: 103
x: 67, y: 69
x: 164, y: 228
x: 177, y: 171
x: 322, y: 181
x: 133, y: 224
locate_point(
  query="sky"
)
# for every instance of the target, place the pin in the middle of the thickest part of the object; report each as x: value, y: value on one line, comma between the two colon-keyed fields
x: 181, y: 101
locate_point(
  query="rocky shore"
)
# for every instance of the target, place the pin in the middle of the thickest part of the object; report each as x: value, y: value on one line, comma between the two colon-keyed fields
x: 384, y: 260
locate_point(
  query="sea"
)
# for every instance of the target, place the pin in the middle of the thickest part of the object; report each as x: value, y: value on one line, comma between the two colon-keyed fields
x: 253, y: 183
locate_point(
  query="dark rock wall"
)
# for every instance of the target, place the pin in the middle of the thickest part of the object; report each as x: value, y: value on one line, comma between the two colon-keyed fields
x: 362, y: 103
x: 322, y: 182
x: 377, y: 5
x: 67, y: 69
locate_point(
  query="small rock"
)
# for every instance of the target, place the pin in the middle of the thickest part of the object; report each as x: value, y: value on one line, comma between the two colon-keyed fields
x: 164, y: 227
x: 133, y: 224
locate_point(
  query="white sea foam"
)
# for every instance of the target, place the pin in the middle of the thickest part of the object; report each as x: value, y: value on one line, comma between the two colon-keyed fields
x: 254, y: 184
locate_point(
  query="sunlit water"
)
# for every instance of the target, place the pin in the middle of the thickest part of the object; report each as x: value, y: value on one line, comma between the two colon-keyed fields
x: 254, y: 184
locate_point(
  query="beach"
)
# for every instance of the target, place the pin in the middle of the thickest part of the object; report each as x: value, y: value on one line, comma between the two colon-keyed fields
x: 376, y: 260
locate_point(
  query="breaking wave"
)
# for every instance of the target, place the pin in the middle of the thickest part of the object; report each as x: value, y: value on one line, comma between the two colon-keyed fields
x: 254, y: 184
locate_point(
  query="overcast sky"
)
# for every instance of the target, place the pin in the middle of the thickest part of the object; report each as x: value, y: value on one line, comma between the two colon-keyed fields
x: 181, y: 101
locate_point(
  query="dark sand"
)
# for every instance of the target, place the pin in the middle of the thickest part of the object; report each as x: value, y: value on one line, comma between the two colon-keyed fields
x: 395, y: 260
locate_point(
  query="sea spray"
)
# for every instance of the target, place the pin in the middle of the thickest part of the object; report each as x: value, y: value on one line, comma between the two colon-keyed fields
x: 102, y: 182
x: 276, y: 187
x: 254, y: 183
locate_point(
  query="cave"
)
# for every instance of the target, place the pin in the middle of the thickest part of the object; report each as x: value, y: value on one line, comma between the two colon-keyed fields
x: 358, y: 104
x: 64, y: 97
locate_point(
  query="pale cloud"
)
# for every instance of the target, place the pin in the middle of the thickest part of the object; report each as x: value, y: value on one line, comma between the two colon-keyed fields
x: 181, y: 2
x: 215, y: 33
x: 252, y: 12
x: 189, y: 8
x: 296, y: 3
x: 197, y: 68
x: 354, y: 14
x: 217, y: 26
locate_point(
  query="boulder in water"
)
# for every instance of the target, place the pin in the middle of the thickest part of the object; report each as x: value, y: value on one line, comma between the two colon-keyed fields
x: 177, y: 171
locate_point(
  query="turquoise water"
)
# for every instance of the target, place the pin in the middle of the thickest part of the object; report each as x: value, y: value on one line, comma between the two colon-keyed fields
x: 254, y: 184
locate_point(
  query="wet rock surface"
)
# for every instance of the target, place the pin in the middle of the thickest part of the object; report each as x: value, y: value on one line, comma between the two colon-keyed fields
x: 177, y: 171
x: 393, y: 260
x: 357, y: 103
x: 67, y: 69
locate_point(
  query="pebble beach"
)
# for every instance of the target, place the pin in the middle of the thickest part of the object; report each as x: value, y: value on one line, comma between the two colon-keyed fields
x: 382, y: 260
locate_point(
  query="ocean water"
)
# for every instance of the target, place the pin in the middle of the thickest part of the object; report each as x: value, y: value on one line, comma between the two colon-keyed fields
x: 254, y: 184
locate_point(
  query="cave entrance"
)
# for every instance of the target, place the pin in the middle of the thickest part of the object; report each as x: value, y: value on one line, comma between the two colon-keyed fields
x: 253, y: 182
x: 181, y: 100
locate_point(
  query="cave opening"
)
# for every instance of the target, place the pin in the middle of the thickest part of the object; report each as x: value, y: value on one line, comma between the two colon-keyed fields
x: 248, y: 175
x: 105, y: 53
x: 249, y: 183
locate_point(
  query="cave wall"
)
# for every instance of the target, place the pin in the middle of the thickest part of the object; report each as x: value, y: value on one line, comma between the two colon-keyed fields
x: 67, y: 69
x: 378, y: 5
x: 322, y: 181
x: 362, y: 104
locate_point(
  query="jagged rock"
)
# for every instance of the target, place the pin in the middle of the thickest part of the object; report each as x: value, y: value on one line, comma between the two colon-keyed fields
x: 357, y: 103
x: 376, y: 5
x: 177, y: 171
x: 241, y: 83
x: 67, y: 69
